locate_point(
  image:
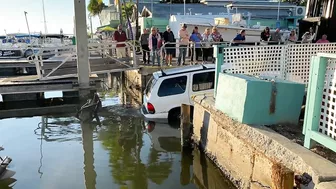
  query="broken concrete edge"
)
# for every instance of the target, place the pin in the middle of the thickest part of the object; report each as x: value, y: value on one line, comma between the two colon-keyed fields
x: 326, y: 185
x: 273, y: 145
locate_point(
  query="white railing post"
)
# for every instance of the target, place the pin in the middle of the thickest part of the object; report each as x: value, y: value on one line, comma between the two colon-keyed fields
x: 283, y: 62
x: 135, y: 63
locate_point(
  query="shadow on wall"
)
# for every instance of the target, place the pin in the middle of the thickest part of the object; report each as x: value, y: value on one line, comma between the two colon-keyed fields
x: 207, y: 175
x: 204, y: 129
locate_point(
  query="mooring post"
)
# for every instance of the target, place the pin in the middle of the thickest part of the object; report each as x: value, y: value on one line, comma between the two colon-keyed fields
x: 83, y: 67
x: 185, y: 125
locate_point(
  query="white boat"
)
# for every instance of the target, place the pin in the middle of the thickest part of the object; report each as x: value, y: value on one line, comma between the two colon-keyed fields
x: 228, y: 25
x: 21, y: 46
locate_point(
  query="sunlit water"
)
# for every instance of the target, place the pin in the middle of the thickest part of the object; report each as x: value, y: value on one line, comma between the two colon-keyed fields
x: 58, y: 152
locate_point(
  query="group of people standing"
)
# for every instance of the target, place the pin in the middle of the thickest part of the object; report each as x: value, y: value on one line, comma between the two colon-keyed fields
x: 276, y: 36
x: 152, y: 41
x: 200, y: 44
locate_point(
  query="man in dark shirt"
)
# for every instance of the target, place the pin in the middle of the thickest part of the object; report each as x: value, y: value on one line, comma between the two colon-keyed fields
x: 239, y: 38
x: 120, y: 37
x: 168, y: 38
x: 144, y: 45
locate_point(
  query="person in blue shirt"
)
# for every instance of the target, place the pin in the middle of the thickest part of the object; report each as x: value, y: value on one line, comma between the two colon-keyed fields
x: 240, y: 37
x: 196, y: 38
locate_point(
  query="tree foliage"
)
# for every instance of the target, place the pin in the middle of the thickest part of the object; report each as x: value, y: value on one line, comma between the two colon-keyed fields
x: 95, y: 7
x: 127, y: 9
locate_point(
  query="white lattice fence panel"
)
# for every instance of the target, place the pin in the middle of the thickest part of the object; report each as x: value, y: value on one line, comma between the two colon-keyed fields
x: 328, y: 107
x: 255, y: 60
x: 298, y: 59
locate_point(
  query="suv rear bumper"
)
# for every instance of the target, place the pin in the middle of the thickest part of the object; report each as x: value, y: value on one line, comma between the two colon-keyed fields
x: 152, y: 117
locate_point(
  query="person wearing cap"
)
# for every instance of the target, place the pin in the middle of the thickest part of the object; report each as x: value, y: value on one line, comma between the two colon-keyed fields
x: 169, y: 40
x: 183, y: 45
x: 120, y: 37
x: 196, y: 38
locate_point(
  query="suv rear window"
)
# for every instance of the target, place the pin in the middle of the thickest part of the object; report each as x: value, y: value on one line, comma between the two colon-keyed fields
x: 150, y: 85
x: 173, y: 86
x: 203, y: 81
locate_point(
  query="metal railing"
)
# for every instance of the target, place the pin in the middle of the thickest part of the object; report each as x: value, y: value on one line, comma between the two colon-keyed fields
x: 62, y: 55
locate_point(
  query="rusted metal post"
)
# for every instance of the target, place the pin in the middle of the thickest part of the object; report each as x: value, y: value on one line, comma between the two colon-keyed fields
x: 185, y: 125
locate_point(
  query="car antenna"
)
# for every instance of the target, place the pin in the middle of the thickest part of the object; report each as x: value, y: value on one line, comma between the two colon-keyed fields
x: 163, y: 73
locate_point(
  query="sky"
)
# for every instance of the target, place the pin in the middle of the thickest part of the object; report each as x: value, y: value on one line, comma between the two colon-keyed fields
x: 59, y: 14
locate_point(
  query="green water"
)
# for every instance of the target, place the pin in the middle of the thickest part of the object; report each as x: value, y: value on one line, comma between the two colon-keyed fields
x: 59, y: 152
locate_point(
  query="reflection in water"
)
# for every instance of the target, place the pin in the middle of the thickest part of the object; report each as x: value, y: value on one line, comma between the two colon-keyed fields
x: 125, y: 148
x: 89, y: 171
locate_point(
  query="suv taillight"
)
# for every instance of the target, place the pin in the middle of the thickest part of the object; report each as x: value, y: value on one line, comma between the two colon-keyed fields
x: 150, y: 108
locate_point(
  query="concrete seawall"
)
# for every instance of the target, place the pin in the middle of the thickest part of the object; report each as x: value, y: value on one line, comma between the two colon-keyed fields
x: 255, y: 156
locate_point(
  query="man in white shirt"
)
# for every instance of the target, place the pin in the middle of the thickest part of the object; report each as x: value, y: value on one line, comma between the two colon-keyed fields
x: 183, y: 45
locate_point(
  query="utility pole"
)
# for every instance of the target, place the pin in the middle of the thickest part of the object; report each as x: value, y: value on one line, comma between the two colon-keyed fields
x: 83, y: 68
x: 137, y: 20
x: 278, y: 11
x: 91, y: 29
x: 119, y: 9
x: 25, y: 13
x: 152, y: 7
x: 44, y: 19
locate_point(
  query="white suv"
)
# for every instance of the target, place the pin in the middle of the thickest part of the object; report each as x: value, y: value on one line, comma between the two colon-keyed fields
x: 168, y: 89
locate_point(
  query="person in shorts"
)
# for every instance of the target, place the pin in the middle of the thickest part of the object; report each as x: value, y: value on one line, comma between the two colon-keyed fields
x: 169, y: 41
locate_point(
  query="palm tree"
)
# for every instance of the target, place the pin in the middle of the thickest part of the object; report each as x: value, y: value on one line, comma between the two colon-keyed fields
x: 95, y: 7
x: 127, y: 10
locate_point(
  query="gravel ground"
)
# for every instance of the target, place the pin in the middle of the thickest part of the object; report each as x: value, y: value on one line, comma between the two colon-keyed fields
x: 294, y: 133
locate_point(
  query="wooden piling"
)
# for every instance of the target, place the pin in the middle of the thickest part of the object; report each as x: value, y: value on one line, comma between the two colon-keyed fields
x: 185, y: 125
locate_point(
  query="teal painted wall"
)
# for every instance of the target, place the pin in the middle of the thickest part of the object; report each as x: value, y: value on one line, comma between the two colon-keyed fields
x: 156, y: 22
x: 247, y: 99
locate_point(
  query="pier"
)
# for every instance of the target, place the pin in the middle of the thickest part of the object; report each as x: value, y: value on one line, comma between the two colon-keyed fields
x: 258, y: 90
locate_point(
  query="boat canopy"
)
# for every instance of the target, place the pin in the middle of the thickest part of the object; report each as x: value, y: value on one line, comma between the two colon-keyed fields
x: 26, y: 35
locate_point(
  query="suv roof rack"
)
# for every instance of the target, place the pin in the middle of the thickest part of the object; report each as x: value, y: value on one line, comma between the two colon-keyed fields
x: 163, y: 73
x: 185, y: 69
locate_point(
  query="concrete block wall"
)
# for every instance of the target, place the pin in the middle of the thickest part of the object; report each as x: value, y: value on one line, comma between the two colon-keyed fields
x: 254, y: 156
x: 206, y: 174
